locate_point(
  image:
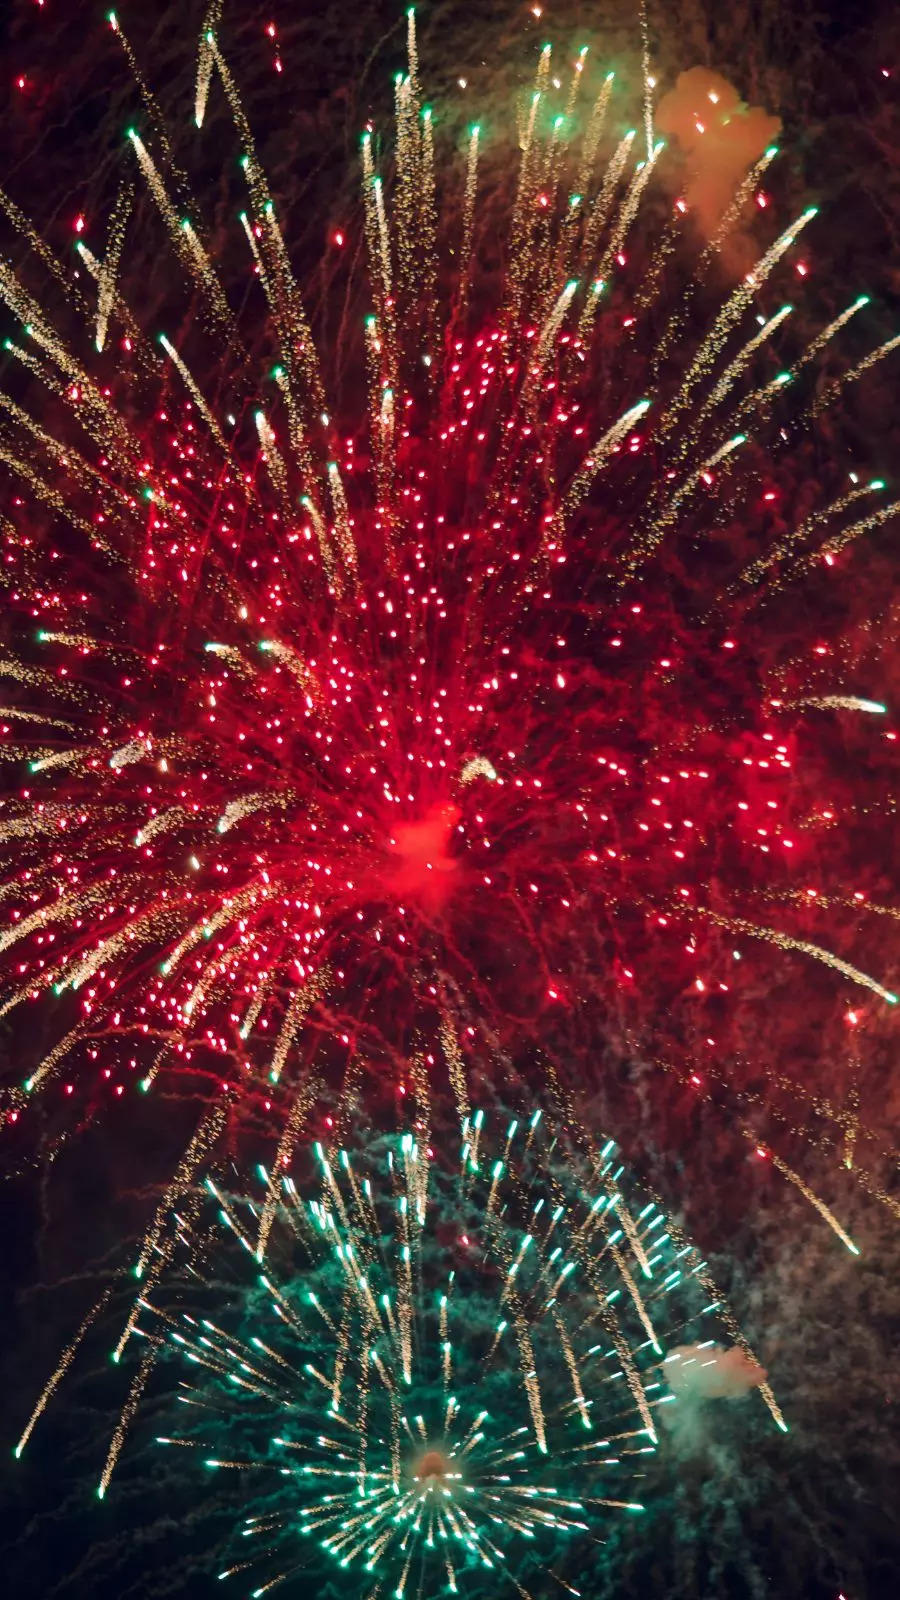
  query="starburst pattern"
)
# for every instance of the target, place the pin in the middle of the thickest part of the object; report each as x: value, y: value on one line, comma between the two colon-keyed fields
x: 442, y: 1371
x: 476, y: 733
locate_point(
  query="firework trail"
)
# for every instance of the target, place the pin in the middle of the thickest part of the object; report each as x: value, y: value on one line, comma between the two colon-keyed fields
x: 458, y: 730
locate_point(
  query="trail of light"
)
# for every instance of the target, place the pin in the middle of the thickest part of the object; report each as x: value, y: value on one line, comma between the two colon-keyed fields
x: 785, y: 941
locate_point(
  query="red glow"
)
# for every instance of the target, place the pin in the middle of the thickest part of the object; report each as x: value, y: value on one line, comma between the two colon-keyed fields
x: 424, y: 867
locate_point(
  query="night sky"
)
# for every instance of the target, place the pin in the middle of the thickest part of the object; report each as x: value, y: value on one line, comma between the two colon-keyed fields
x: 739, y: 1511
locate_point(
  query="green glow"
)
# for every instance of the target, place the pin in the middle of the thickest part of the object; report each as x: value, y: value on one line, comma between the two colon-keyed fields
x: 363, y: 1262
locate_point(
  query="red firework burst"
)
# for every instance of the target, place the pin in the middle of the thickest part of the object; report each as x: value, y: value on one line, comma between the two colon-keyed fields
x: 512, y: 723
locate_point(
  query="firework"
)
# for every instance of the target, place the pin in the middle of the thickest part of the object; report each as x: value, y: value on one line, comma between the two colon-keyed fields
x: 441, y: 1371
x: 470, y: 731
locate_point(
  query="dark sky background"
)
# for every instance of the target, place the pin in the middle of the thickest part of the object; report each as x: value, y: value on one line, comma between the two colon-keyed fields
x: 738, y: 1510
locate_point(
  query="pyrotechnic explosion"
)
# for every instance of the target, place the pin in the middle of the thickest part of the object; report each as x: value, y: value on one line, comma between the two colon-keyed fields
x: 441, y: 1372
x: 466, y: 736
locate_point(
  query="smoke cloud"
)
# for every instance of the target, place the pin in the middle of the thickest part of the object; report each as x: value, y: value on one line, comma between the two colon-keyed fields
x: 708, y: 1372
x: 720, y: 136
